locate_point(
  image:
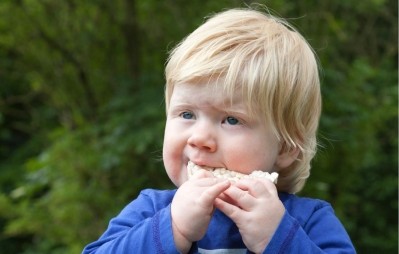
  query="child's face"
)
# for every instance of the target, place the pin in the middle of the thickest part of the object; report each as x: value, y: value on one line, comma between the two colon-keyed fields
x: 204, y: 127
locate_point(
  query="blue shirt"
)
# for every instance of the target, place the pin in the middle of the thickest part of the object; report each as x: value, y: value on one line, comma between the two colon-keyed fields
x: 144, y: 226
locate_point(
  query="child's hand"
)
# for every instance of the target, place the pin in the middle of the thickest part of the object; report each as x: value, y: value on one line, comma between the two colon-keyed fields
x: 192, y: 208
x: 254, y: 206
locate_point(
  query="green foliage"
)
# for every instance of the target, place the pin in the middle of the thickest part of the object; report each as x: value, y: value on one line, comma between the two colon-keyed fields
x: 77, y: 183
x: 82, y: 114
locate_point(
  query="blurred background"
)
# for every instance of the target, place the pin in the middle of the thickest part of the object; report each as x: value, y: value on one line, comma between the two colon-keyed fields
x: 82, y: 112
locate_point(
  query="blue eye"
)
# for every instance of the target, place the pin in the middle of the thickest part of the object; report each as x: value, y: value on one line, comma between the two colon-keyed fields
x: 187, y: 115
x: 232, y: 120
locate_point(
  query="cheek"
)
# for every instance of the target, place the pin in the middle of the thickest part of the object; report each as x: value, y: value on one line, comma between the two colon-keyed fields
x: 172, y: 155
x: 172, y: 144
x: 252, y: 154
x: 169, y: 162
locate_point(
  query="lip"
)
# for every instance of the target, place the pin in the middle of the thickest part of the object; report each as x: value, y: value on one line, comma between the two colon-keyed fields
x: 207, y: 166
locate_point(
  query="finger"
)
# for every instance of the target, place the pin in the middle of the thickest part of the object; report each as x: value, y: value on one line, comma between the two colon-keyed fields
x: 257, y: 187
x: 240, y: 198
x: 225, y: 198
x: 208, y: 197
x: 231, y: 211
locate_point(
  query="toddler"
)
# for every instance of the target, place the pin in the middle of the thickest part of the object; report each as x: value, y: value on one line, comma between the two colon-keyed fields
x: 242, y: 93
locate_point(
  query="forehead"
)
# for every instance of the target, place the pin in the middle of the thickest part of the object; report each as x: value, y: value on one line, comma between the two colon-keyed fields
x: 247, y: 90
x: 206, y: 93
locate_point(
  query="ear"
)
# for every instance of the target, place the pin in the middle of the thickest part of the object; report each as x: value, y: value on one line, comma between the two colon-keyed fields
x: 286, y: 157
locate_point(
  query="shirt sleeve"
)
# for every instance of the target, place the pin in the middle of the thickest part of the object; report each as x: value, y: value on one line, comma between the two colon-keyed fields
x: 139, y: 228
x: 321, y: 233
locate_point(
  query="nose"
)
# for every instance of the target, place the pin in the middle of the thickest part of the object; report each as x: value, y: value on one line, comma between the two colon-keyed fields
x: 203, y: 137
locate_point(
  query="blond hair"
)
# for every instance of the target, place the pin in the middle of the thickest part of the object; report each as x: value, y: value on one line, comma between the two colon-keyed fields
x: 274, y: 67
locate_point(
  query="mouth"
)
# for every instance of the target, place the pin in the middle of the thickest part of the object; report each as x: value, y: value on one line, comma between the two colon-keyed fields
x: 230, y: 175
